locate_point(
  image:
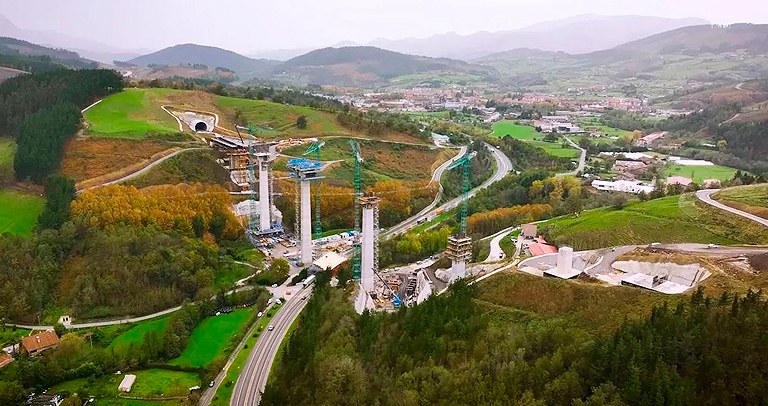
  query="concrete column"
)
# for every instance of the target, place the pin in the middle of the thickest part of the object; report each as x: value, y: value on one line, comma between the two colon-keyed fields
x: 366, y: 269
x: 306, y: 224
x: 265, y: 206
x: 565, y: 260
x: 458, y: 269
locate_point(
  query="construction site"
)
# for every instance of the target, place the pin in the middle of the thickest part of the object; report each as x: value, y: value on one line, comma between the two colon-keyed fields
x: 249, y: 161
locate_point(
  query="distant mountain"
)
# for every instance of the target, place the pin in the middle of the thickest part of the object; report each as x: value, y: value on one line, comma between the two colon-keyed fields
x: 19, y: 53
x: 366, y: 66
x: 680, y: 60
x: 85, y: 47
x: 704, y: 38
x: 581, y: 34
x: 210, y: 56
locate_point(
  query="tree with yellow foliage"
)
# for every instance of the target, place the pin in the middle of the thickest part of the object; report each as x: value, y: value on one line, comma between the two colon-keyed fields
x: 168, y: 207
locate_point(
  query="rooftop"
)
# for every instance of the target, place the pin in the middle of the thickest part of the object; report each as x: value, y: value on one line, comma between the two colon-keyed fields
x: 330, y: 260
x: 40, y: 341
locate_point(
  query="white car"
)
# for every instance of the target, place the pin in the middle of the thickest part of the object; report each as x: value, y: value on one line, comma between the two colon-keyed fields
x: 271, y: 327
x: 713, y: 246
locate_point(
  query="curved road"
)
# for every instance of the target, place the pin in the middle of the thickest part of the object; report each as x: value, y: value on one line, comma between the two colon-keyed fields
x: 706, y: 197
x: 436, y: 176
x: 503, y: 168
x: 496, y: 253
x: 254, y: 375
x: 143, y: 170
x: 582, y: 159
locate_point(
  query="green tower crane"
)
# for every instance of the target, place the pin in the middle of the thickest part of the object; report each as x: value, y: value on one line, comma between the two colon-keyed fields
x: 314, y: 150
x: 356, y: 266
x: 464, y: 163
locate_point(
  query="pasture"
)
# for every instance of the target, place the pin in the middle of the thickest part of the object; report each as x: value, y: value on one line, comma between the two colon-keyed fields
x: 529, y: 135
x: 211, y: 337
x: 19, y: 212
x: 132, y: 113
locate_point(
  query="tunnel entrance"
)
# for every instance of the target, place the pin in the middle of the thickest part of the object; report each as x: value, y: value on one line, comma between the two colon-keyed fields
x: 201, y: 126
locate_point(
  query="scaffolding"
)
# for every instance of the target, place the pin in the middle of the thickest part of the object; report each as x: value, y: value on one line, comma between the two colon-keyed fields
x: 358, y: 194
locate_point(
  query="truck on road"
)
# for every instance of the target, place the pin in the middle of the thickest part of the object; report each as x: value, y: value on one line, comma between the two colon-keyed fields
x: 306, y: 282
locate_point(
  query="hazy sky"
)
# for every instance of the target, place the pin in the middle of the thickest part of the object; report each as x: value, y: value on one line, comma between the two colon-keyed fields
x: 248, y: 25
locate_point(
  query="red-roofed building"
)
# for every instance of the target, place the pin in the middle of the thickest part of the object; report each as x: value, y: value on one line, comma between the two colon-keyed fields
x: 36, y: 343
x: 679, y: 180
x: 536, y: 249
x: 5, y: 359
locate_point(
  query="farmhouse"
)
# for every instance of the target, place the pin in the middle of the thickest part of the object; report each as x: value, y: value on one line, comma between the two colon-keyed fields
x: 529, y: 231
x: 5, y: 359
x: 37, y: 343
x: 629, y: 166
x: 679, y: 180
x: 650, y: 138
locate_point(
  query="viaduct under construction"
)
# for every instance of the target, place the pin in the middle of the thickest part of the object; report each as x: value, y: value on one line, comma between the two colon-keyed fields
x: 250, y: 164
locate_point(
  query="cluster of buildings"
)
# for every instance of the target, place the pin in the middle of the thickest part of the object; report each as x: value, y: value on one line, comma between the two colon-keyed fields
x: 581, y: 102
x: 32, y: 345
x: 558, y: 124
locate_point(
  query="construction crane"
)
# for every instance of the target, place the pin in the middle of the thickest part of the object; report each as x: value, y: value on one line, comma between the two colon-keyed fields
x: 314, y: 150
x: 356, y: 266
x: 251, y: 128
x: 464, y: 163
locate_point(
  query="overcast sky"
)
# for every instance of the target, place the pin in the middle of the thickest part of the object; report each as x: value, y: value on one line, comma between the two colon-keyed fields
x: 249, y: 25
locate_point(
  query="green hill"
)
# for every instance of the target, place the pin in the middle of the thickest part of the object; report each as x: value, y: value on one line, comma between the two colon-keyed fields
x: 365, y: 66
x: 654, y: 65
x: 673, y: 219
x: 212, y: 57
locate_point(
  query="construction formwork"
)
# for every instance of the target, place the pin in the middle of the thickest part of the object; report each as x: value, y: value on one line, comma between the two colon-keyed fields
x: 459, y: 251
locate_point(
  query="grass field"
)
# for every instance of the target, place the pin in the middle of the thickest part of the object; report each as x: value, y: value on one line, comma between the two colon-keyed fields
x: 700, y: 173
x: 135, y: 335
x: 668, y: 220
x: 187, y: 167
x: 597, y: 124
x: 530, y: 135
x: 9, y: 335
x: 752, y: 199
x: 132, y: 113
x: 227, y: 276
x: 89, y: 158
x: 149, y: 383
x: 519, y: 297
x: 281, y: 117
x: 19, y: 212
x: 7, y: 147
x: 211, y: 337
x: 382, y: 160
x: 224, y: 392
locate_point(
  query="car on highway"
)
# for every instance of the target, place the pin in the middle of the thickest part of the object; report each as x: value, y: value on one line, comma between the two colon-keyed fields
x: 713, y: 246
x: 271, y: 327
x: 210, y: 385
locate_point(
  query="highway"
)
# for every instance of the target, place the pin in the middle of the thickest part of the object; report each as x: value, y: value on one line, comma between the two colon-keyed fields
x: 706, y: 197
x: 210, y: 392
x: 253, y: 378
x: 503, y: 168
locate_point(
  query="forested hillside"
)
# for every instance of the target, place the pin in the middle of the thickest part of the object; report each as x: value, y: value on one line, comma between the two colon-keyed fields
x: 42, y: 111
x: 454, y: 349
